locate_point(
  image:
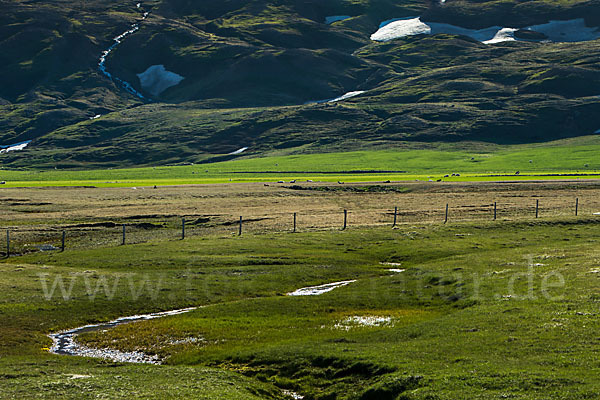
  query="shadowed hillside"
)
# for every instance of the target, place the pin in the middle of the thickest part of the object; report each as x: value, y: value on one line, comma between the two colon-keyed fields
x: 224, y: 75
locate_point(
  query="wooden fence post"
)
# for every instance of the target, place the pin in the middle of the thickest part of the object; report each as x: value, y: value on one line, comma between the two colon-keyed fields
x: 182, y: 228
x: 537, y: 208
x: 7, y: 243
x: 123, y: 243
x: 294, y: 222
x: 495, y: 211
x: 62, y: 245
x: 446, y: 220
x: 395, y: 216
x: 345, y: 219
x: 577, y: 206
x: 241, y: 222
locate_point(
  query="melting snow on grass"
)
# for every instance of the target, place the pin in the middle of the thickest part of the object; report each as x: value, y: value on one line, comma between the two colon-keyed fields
x: 503, y: 35
x: 240, y: 151
x: 346, y: 96
x: 573, y: 30
x: 556, y: 31
x: 393, y: 264
x: 394, y: 29
x: 318, y: 290
x: 156, y: 79
x: 363, y: 321
x: 335, y: 18
x: 14, y: 147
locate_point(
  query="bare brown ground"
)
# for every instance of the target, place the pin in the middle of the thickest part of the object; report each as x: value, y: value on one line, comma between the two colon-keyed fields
x: 39, y: 215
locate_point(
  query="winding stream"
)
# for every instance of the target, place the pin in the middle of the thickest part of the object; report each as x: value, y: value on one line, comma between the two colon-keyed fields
x: 64, y: 342
x: 117, y: 41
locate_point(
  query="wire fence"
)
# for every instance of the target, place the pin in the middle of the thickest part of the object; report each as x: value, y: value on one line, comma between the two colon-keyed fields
x: 33, y: 238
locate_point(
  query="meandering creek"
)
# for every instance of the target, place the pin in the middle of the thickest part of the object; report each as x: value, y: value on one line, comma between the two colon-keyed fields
x: 117, y: 41
x: 65, y: 343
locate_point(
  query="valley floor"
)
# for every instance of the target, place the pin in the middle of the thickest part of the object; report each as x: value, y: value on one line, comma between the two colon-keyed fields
x: 473, y: 308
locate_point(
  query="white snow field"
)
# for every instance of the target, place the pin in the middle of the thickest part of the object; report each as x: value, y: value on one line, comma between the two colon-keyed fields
x: 240, y: 151
x: 399, y: 28
x: 335, y: 18
x: 573, y: 30
x: 394, y: 29
x: 156, y: 79
x: 14, y: 147
x: 346, y: 96
x: 503, y: 35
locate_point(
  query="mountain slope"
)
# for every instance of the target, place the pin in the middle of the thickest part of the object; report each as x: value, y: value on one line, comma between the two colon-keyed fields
x: 246, y: 69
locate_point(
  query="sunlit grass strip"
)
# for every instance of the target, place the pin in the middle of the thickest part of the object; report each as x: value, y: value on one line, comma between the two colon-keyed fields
x: 263, y: 178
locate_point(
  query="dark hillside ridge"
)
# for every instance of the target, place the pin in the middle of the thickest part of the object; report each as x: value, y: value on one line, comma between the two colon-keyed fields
x: 247, y: 70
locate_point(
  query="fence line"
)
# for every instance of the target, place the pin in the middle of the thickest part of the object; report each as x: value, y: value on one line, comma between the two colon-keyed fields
x: 139, y: 233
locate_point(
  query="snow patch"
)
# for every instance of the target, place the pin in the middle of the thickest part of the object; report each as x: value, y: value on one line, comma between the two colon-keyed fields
x: 335, y: 18
x: 398, y: 28
x: 396, y: 270
x: 574, y: 30
x: 503, y: 35
x: 156, y: 79
x: 14, y: 147
x: 319, y: 290
x: 240, y: 151
x: 346, y: 96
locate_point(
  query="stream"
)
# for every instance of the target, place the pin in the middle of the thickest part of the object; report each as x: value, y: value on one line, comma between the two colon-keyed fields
x: 64, y: 342
x: 117, y: 41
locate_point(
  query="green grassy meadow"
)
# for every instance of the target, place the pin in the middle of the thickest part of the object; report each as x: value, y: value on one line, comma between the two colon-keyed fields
x: 484, y: 310
x: 474, y: 162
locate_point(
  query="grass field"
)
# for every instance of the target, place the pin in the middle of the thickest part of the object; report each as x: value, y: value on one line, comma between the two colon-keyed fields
x: 93, y: 217
x: 478, y: 310
x: 484, y: 309
x: 474, y: 162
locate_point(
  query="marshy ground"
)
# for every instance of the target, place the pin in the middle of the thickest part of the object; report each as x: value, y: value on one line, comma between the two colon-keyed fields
x: 483, y: 309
